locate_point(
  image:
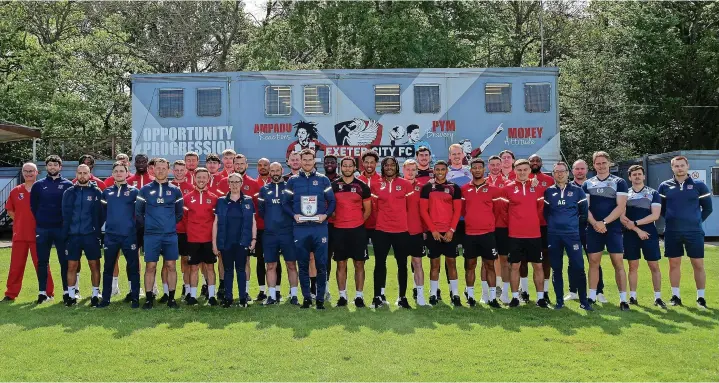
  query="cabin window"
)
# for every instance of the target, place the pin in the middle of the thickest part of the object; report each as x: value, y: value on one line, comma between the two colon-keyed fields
x: 715, y: 181
x: 317, y: 99
x: 209, y: 102
x: 426, y: 99
x: 536, y: 97
x: 278, y: 100
x: 171, y: 103
x: 498, y: 98
x: 386, y: 99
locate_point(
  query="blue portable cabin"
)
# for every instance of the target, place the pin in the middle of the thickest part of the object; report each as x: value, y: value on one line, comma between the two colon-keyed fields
x: 343, y: 112
x: 703, y: 166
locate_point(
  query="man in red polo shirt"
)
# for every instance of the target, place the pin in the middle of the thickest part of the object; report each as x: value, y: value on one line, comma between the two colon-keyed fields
x: 179, y: 171
x: 416, y: 230
x: 543, y: 182
x: 441, y: 207
x: 23, y: 235
x: 524, y: 204
x: 200, y: 215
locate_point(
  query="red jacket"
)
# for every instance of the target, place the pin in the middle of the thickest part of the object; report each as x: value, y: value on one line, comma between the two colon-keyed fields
x: 371, y: 222
x: 23, y: 227
x: 440, y: 206
x: 185, y: 188
x: 500, y: 211
x: 414, y: 218
x: 545, y: 182
x: 524, y: 205
x: 200, y: 212
x: 391, y: 204
x: 479, y: 205
x: 139, y: 181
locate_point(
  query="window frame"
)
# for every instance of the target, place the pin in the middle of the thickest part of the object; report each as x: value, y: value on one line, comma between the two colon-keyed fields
x: 549, y: 96
x: 159, y: 102
x: 399, y: 98
x: 197, y: 101
x: 497, y: 84
x: 329, y: 99
x: 439, y: 97
x: 267, y: 114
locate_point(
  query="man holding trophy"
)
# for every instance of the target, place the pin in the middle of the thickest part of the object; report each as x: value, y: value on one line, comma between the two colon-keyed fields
x: 309, y: 199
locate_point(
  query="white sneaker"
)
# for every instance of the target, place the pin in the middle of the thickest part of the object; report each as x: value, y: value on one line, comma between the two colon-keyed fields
x: 601, y: 298
x: 116, y: 291
x: 571, y: 297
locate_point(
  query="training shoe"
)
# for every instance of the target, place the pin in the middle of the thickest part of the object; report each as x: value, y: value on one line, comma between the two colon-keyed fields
x: 227, y: 303
x: 524, y: 296
x: 586, y: 307
x: 212, y: 301
x: 307, y: 303
x: 204, y: 292
x: 328, y: 296
x: 248, y: 298
x: 269, y: 302
x: 8, y: 299
x: 103, y: 304
x: 456, y: 301
x: 542, y: 303
x: 172, y: 304
x: 547, y: 299
x: 439, y: 294
x: 601, y: 298
x: 514, y: 302
x: 624, y: 306
x: 504, y: 299
x: 659, y: 302
x: 702, y: 303
x: 294, y: 301
x: 94, y: 301
x: 183, y: 291
x: 116, y: 291
x: 675, y: 301
x: 591, y: 301
x: 376, y: 303
x: 128, y: 298
x: 320, y: 305
x: 633, y: 301
x: 402, y: 302
x: 186, y: 297
x: 494, y: 304
x: 433, y: 300
x: 242, y: 303
x: 359, y: 302
x: 163, y: 299
x: 384, y: 299
x: 571, y: 296
x: 65, y: 297
x: 78, y: 297
x: 261, y: 296
x: 221, y: 291
x: 278, y: 296
x: 342, y: 302
x: 148, y: 304
x: 135, y: 304
x: 71, y: 302
x: 414, y: 293
x: 192, y: 301
x: 471, y: 302
x: 41, y: 298
x: 559, y: 306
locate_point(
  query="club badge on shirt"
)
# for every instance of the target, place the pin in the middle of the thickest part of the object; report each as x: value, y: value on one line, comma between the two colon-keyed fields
x: 569, y: 194
x: 690, y: 187
x: 21, y: 196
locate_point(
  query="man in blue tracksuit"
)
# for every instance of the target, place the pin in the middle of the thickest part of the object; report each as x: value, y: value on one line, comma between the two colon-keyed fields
x: 277, y: 235
x: 564, y: 203
x: 82, y: 220
x: 118, y: 203
x: 309, y: 194
x: 685, y: 205
x: 159, y: 208
x: 46, y: 206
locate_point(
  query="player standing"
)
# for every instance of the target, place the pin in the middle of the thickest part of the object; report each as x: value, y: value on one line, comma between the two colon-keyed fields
x: 179, y: 171
x: 543, y: 182
x: 501, y: 233
x: 416, y: 229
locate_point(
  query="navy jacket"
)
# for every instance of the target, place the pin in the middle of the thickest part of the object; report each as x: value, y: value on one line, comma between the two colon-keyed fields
x: 82, y: 212
x: 46, y: 201
x: 159, y: 208
x: 248, y: 214
x: 563, y: 208
x: 685, y: 205
x: 304, y: 185
x: 118, y: 203
x: 277, y: 221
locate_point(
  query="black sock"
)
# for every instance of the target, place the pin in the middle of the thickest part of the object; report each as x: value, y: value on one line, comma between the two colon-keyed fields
x: 150, y: 296
x: 313, y: 285
x: 222, y: 284
x: 172, y: 295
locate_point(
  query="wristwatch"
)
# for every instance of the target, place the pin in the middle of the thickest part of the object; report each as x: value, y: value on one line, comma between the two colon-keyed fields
x: 635, y: 223
x: 604, y: 222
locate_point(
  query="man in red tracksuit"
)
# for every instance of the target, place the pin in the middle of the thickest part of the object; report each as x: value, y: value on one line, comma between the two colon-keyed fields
x: 441, y: 207
x: 23, y: 234
x: 369, y: 176
x: 416, y: 230
x: 524, y: 204
x: 501, y: 234
x: 179, y: 171
x: 544, y: 182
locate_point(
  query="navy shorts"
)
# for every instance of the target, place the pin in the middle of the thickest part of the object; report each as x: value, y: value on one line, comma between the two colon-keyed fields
x: 165, y: 244
x: 77, y: 244
x: 611, y: 240
x: 675, y: 243
x: 634, y: 247
x: 415, y: 246
x: 482, y: 245
x: 273, y: 243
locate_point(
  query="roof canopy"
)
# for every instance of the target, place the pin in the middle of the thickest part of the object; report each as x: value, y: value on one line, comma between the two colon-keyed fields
x: 14, y: 132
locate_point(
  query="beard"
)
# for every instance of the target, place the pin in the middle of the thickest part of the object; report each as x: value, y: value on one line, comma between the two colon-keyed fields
x: 536, y: 170
x: 276, y: 178
x: 53, y: 173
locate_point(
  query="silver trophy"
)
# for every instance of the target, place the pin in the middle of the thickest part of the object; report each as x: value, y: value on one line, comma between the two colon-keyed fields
x: 309, y: 209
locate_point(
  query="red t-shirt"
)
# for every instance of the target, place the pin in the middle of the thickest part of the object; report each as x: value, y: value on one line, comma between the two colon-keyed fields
x: 200, y: 212
x: 23, y: 228
x: 524, y: 205
x: 441, y: 206
x: 350, y: 198
x: 500, y: 211
x: 391, y: 205
x: 545, y: 182
x: 185, y: 188
x: 371, y: 222
x: 139, y: 181
x: 100, y: 183
x: 414, y: 218
x: 479, y: 202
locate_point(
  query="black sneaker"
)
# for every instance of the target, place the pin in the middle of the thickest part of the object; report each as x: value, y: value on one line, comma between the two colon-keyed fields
x: 278, y: 296
x: 294, y: 301
x: 102, y: 304
x: 128, y: 298
x: 514, y: 302
x: 172, y: 304
x: 376, y: 302
x: 524, y: 296
x: 183, y: 290
x: 402, y: 302
x: 212, y: 301
x: 439, y: 294
x: 320, y: 305
x: 342, y: 302
x: 384, y: 299
x: 204, y: 292
x: 221, y: 289
x: 414, y: 293
x: 65, y: 297
x: 135, y: 304
x: 659, y: 302
x: 702, y: 303
x: 163, y: 299
x: 433, y: 299
x: 624, y: 306
x: 187, y: 297
x: 192, y: 301
x: 675, y: 301
x: 359, y: 302
x: 227, y: 303
x: 471, y: 302
x: 148, y: 304
x: 586, y: 307
x: 547, y: 299
x: 243, y: 303
x: 42, y: 298
x: 307, y: 303
x: 71, y: 302
x: 94, y: 301
x: 261, y: 297
x: 592, y: 301
x: 542, y: 303
x: 633, y: 301
x: 494, y: 304
x: 248, y: 298
x: 456, y: 301
x: 269, y: 302
x: 8, y: 299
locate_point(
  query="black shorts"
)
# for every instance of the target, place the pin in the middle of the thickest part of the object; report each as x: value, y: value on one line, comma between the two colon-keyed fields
x: 350, y: 244
x: 459, y: 233
x: 525, y: 249
x: 482, y: 245
x: 184, y: 250
x: 200, y: 252
x: 501, y: 238
x: 330, y: 240
x: 259, y: 246
x: 438, y: 248
x: 545, y: 237
x: 415, y: 246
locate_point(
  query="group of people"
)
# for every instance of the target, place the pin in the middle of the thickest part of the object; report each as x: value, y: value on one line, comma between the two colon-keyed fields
x: 504, y: 211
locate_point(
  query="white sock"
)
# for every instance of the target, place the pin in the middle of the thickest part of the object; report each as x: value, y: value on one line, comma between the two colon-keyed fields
x: 454, y: 286
x: 492, y: 293
x: 95, y: 291
x: 382, y: 291
x: 546, y: 285
x: 524, y: 284
x: 247, y: 286
x: 420, y: 295
x: 187, y: 288
x: 622, y: 296
x: 343, y: 294
x: 43, y: 293
x: 273, y: 292
x: 633, y: 294
x: 77, y: 282
x: 506, y: 290
x: 470, y: 292
x: 165, y: 288
x: 293, y: 291
x: 700, y: 293
x: 498, y: 281
x: 262, y: 288
x: 515, y: 294
x: 359, y: 294
x: 540, y: 295
x: 193, y: 292
x: 485, y: 290
x: 657, y: 294
x: 593, y: 294
x: 115, y: 282
x: 71, y: 291
x: 675, y: 291
x: 129, y: 286
x: 211, y: 290
x: 433, y: 286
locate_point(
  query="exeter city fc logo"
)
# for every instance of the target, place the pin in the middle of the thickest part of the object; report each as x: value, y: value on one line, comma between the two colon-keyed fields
x: 324, y: 239
x: 21, y: 196
x: 575, y: 247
